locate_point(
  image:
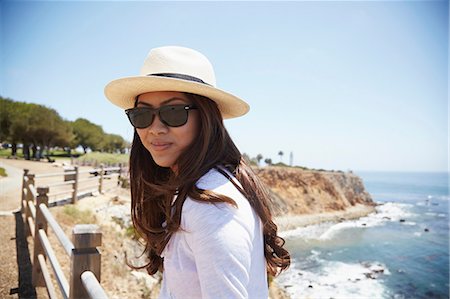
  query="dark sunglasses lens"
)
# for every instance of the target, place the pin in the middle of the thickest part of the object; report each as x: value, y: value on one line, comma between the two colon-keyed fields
x: 174, y: 116
x: 141, y: 117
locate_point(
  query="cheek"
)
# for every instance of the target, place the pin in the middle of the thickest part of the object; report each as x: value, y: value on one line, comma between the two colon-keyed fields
x: 189, y: 133
x: 195, y: 128
x: 187, y: 138
x: 142, y: 133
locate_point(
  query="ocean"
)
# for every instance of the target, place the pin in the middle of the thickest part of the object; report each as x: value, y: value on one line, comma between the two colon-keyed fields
x: 402, y: 251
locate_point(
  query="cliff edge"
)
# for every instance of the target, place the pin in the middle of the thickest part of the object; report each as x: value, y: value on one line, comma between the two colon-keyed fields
x: 298, y: 192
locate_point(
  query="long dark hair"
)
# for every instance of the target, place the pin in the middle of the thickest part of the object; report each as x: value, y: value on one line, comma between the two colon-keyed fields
x: 153, y: 188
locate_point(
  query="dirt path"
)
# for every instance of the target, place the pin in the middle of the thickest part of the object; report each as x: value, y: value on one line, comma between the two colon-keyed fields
x: 10, y: 186
x: 15, y: 273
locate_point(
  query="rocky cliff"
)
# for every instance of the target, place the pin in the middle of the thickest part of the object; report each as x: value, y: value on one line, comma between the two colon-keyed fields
x: 296, y: 191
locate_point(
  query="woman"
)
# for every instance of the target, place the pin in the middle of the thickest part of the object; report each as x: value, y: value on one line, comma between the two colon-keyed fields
x: 203, y: 214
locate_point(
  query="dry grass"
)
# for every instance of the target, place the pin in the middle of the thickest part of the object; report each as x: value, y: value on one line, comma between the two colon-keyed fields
x: 117, y: 278
x: 3, y: 172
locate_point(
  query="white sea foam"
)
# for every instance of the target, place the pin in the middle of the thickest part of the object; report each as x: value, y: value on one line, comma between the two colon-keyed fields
x: 433, y: 200
x: 385, y: 213
x: 325, y: 231
x: 335, y: 280
x: 441, y: 197
x: 433, y: 214
x: 394, y: 211
x: 333, y: 230
x: 306, y: 233
x: 412, y: 223
x: 444, y: 197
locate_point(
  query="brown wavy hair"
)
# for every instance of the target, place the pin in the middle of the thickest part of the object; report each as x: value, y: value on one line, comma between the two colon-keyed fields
x: 153, y: 188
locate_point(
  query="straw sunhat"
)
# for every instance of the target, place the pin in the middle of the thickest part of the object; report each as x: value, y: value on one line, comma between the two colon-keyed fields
x: 175, y: 68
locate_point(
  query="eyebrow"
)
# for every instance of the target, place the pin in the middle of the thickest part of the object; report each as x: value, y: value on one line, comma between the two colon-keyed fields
x: 162, y: 103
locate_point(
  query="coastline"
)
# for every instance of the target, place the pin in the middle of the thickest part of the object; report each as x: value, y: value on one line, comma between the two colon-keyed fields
x: 289, y: 222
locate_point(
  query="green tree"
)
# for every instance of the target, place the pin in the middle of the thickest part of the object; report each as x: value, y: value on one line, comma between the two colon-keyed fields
x: 6, y: 109
x: 39, y: 128
x: 19, y: 114
x: 113, y: 143
x: 87, y: 134
x: 46, y: 129
x: 268, y: 161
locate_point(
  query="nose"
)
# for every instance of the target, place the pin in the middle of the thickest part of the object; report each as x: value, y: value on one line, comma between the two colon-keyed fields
x: 157, y: 127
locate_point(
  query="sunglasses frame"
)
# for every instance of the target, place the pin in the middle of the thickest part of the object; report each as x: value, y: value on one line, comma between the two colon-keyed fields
x: 157, y: 111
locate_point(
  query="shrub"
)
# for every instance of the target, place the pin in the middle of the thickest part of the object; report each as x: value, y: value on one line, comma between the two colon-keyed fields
x: 79, y: 216
x: 97, y: 158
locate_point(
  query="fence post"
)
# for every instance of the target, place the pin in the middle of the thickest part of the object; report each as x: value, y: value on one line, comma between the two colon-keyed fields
x: 75, y: 186
x: 85, y: 257
x: 24, y: 185
x: 100, y: 185
x: 40, y: 223
x: 120, y: 174
x: 29, y: 197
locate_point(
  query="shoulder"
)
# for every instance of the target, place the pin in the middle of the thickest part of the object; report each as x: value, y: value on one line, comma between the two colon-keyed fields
x: 206, y: 213
x: 213, y: 180
x: 218, y: 183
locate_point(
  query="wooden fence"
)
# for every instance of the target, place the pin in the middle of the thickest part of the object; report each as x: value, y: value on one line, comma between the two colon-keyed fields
x: 85, y: 260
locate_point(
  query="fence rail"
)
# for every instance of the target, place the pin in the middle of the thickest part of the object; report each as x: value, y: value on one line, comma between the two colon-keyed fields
x: 84, y: 278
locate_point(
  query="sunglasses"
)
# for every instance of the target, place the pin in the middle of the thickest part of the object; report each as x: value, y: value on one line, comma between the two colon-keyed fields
x: 170, y: 115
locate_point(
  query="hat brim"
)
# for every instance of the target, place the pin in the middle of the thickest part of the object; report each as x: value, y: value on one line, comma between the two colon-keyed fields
x: 122, y: 92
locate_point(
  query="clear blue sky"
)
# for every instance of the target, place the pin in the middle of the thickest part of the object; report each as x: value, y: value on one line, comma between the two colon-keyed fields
x: 342, y: 85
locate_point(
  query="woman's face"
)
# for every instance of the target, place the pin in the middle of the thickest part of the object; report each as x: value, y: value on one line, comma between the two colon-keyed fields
x: 165, y: 143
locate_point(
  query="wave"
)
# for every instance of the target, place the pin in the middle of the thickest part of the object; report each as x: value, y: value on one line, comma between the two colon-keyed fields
x: 387, y: 212
x: 438, y: 197
x: 334, y: 279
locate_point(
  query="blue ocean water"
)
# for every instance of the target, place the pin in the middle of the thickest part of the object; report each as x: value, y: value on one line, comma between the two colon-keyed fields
x: 402, y: 251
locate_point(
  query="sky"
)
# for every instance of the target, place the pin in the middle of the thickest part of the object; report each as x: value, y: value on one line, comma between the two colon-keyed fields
x: 342, y: 85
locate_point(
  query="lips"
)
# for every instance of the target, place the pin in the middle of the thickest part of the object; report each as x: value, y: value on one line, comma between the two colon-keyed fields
x: 160, y: 145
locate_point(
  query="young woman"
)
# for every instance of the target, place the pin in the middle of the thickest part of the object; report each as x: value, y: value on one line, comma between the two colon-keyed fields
x: 203, y: 214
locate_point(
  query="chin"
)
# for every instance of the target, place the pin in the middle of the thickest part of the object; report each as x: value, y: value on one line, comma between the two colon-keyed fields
x: 166, y: 164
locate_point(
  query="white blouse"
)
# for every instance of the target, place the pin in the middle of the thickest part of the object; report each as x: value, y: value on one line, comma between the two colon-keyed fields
x: 218, y: 251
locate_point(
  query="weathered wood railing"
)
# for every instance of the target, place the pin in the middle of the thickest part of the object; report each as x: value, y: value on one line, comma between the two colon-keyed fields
x: 84, y: 280
x: 77, y: 183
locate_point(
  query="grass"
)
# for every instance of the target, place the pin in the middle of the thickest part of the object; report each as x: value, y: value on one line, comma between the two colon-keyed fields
x: 130, y: 232
x: 89, y: 158
x: 55, y: 154
x: 3, y: 172
x: 105, y: 158
x: 6, y: 152
x: 79, y: 216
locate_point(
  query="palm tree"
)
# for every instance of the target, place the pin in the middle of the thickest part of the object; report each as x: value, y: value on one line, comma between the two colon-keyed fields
x: 280, y: 153
x: 259, y: 158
